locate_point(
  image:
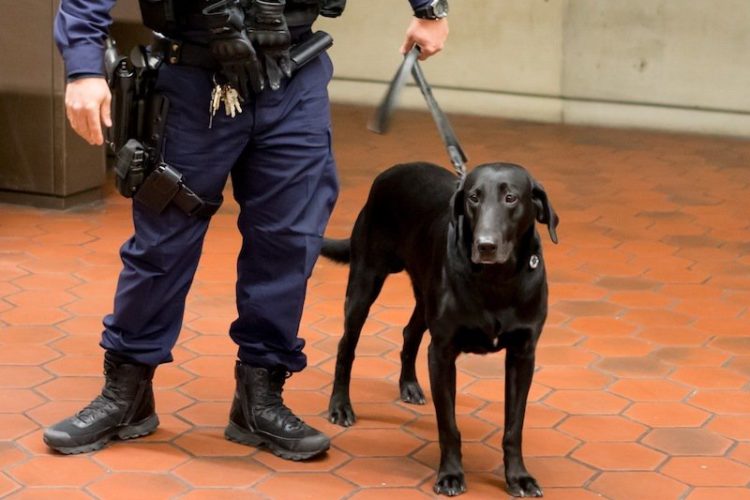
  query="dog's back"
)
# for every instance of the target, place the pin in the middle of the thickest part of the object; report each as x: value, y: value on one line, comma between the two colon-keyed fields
x: 405, y: 202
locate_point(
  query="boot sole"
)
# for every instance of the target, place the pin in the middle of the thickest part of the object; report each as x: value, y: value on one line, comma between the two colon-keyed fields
x: 132, y: 431
x: 239, y: 435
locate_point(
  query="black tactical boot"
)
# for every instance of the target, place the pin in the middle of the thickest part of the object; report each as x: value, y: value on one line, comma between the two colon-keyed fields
x: 124, y: 410
x: 259, y: 417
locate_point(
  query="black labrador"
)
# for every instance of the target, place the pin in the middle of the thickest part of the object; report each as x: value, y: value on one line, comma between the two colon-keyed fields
x: 475, y: 262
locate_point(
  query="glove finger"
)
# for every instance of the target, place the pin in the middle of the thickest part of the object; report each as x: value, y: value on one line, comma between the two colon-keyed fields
x: 273, y: 73
x: 286, y: 66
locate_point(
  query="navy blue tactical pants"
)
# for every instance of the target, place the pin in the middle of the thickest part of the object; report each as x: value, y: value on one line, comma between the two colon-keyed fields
x: 278, y: 152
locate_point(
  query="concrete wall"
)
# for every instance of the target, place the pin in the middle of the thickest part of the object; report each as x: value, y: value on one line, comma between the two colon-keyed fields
x: 672, y: 64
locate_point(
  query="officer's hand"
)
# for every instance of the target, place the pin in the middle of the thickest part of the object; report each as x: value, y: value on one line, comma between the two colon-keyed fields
x: 429, y: 34
x: 87, y: 103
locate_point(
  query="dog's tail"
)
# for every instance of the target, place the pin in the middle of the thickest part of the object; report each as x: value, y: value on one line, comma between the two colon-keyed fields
x: 337, y: 250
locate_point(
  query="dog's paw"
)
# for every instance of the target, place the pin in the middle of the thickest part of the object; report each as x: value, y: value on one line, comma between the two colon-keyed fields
x: 450, y: 485
x: 341, y: 414
x: 524, y: 486
x: 412, y: 393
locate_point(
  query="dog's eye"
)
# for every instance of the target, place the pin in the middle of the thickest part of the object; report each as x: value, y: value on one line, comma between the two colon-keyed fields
x: 474, y: 198
x: 510, y: 198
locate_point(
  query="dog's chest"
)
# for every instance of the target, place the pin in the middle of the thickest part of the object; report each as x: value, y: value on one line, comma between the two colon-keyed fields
x: 484, y: 332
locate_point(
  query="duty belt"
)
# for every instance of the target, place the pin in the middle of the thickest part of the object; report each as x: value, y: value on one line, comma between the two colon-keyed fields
x: 190, y: 53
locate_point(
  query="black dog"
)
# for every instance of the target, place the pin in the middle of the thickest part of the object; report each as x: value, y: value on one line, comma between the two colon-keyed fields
x: 476, y: 266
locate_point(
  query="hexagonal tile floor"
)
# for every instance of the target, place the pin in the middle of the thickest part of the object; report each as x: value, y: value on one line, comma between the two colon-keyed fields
x: 642, y: 387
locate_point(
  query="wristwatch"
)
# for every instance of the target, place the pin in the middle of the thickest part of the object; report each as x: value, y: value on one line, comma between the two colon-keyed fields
x: 437, y: 9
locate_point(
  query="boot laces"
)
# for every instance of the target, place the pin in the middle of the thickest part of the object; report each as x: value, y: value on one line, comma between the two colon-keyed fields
x: 105, y: 403
x: 275, y: 403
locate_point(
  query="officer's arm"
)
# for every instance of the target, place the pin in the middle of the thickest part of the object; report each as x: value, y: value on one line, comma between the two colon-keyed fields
x: 429, y: 34
x: 80, y: 29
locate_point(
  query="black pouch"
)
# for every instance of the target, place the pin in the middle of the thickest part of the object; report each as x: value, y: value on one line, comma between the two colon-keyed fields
x: 130, y: 168
x: 332, y: 8
x: 160, y: 188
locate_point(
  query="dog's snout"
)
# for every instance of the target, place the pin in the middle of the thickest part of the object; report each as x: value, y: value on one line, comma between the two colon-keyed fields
x: 486, y: 246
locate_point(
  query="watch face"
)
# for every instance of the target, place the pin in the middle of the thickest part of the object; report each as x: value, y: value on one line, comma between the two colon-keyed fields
x: 441, y: 8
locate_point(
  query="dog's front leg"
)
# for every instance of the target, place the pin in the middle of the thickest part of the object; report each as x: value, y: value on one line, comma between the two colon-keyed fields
x: 442, y: 367
x: 519, y: 370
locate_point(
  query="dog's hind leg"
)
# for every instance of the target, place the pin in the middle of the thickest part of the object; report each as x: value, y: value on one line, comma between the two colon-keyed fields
x: 363, y: 288
x: 411, y: 392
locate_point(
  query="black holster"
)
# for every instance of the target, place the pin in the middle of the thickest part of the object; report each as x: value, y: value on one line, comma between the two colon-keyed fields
x: 139, y: 115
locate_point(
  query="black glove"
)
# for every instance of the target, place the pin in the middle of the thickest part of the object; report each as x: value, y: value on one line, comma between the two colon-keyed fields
x: 232, y: 48
x: 268, y: 30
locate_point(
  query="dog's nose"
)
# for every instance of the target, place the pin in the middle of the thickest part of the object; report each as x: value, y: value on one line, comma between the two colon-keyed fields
x: 486, y: 246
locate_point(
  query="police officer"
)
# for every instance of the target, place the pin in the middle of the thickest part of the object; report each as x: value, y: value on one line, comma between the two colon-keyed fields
x: 278, y: 152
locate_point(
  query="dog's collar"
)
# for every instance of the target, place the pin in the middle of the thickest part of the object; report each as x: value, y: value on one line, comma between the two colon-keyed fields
x: 534, y: 261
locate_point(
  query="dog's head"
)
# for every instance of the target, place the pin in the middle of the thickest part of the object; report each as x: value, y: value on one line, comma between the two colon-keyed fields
x: 496, y: 206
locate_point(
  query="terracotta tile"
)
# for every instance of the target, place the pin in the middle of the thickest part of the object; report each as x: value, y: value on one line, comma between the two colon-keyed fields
x: 306, y: 486
x: 377, y: 442
x: 472, y: 428
x: 692, y: 356
x: 476, y: 457
x: 737, y: 345
x: 141, y: 457
x: 56, y: 471
x: 15, y: 425
x: 722, y: 402
x: 677, y: 336
x: 709, y: 377
x: 221, y: 494
x: 641, y: 485
x: 10, y: 454
x: 596, y: 428
x: 210, y: 388
x: 210, y: 442
x: 170, y: 400
x: 740, y: 364
x: 707, y: 471
x: 400, y: 493
x: 670, y: 414
x: 618, y: 346
x: 649, y: 390
x: 545, y: 443
x: 731, y: 426
x: 713, y: 493
x: 621, y: 456
x: 71, y: 388
x: 21, y: 377
x: 384, y: 472
x: 700, y: 442
x: 206, y: 414
x: 29, y: 335
x: 18, y: 400
x: 77, y: 366
x: 571, y: 377
x: 33, y: 316
x: 586, y: 402
x: 634, y: 366
x: 226, y: 472
x: 741, y: 453
x: 602, y: 326
x: 640, y: 299
x: 562, y: 355
x: 7, y: 486
x: 382, y: 415
x: 127, y: 485
x: 44, y: 494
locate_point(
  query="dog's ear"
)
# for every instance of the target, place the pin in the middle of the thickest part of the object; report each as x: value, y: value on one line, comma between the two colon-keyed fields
x: 545, y: 214
x: 457, y: 202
